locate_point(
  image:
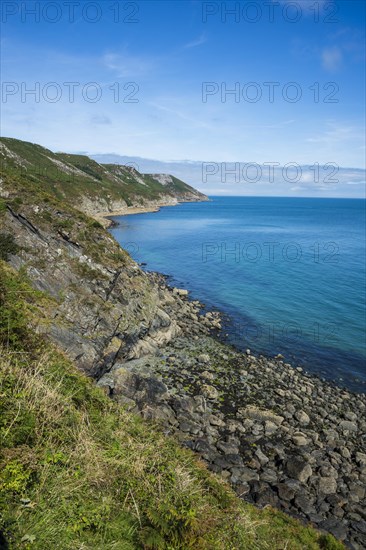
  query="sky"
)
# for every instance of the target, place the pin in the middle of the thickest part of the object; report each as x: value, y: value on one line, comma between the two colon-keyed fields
x: 205, y: 84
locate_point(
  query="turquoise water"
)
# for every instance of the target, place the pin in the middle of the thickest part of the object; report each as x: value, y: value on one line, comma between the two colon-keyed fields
x: 289, y: 273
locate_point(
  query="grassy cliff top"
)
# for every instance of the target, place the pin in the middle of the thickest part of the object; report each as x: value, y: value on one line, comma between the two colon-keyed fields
x: 74, y: 177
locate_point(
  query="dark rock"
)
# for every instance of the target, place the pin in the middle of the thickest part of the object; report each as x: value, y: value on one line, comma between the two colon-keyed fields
x: 299, y: 469
x: 288, y: 489
x: 337, y: 528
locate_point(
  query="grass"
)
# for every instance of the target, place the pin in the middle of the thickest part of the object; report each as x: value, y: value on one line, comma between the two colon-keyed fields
x: 79, y: 472
x: 74, y: 177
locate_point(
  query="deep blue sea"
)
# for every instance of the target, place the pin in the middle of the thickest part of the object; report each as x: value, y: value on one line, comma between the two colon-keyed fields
x: 289, y: 273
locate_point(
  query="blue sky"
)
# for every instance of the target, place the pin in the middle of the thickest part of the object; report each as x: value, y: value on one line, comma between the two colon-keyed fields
x: 171, y: 64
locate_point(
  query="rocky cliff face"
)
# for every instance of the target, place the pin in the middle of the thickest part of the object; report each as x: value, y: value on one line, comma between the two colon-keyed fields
x: 105, y: 307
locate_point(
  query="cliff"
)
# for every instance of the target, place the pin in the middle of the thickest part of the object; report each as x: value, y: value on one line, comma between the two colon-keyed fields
x: 277, y: 435
x: 96, y: 189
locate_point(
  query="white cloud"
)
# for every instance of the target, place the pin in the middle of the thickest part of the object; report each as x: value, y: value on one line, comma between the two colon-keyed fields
x: 332, y: 58
x: 101, y: 119
x: 197, y: 42
x: 127, y: 66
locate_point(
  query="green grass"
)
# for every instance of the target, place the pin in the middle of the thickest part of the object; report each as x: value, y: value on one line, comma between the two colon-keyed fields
x: 79, y: 472
x: 72, y: 177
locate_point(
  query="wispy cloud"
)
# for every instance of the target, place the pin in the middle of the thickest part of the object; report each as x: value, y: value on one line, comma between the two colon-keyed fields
x: 181, y: 115
x: 337, y: 133
x: 126, y: 65
x: 197, y: 42
x: 101, y: 119
x: 332, y: 58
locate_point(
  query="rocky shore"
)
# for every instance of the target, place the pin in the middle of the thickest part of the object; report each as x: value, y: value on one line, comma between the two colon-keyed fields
x: 280, y: 436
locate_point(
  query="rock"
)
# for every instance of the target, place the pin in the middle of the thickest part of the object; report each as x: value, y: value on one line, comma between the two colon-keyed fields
x: 348, y: 426
x: 216, y: 421
x: 265, y: 496
x: 335, y: 527
x: 203, y: 358
x: 180, y: 292
x: 287, y: 490
x: 327, y: 485
x: 328, y: 471
x: 242, y: 489
x: 210, y: 392
x: 304, y: 504
x: 298, y: 469
x: 360, y: 526
x: 351, y: 416
x: 361, y: 459
x: 270, y: 427
x: 345, y: 453
x: 202, y: 447
x: 263, y: 415
x: 263, y: 459
x: 207, y: 375
x: 269, y: 475
x: 189, y: 427
x: 227, y: 448
x: 247, y: 474
x: 302, y: 418
x: 299, y: 439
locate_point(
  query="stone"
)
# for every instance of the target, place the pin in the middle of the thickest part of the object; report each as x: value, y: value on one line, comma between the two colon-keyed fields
x: 227, y: 448
x: 216, y: 421
x: 269, y: 475
x: 338, y: 529
x: 304, y: 504
x: 266, y: 497
x: 298, y: 469
x: 263, y: 459
x: 302, y: 418
x: 247, y: 474
x: 207, y: 375
x: 361, y: 459
x: 255, y: 413
x: 287, y: 490
x: 348, y: 426
x: 203, y: 358
x: 242, y: 489
x: 189, y: 427
x: 210, y: 391
x: 180, y: 291
x: 327, y: 485
x: 327, y: 470
x: 203, y: 448
x: 270, y: 427
x: 351, y: 416
x: 300, y: 440
x: 345, y: 452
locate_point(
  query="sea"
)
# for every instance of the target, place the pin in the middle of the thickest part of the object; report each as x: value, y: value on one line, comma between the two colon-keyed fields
x: 288, y: 274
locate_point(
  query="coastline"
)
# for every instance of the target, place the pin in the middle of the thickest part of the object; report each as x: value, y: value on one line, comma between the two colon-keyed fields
x: 279, y: 435
x: 105, y: 218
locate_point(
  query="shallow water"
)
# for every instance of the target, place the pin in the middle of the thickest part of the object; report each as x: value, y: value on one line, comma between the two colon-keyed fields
x: 288, y: 272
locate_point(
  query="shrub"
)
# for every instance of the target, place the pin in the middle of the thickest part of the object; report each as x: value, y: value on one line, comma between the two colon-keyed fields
x: 7, y: 246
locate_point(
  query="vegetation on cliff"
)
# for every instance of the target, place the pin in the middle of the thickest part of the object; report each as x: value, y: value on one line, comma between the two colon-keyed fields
x: 83, y: 182
x: 78, y: 471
